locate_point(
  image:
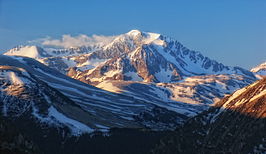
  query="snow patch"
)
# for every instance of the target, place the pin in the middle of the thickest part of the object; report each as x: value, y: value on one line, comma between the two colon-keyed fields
x: 134, y: 76
x: 107, y: 85
x: 14, y: 78
x: 164, y: 75
x: 76, y: 127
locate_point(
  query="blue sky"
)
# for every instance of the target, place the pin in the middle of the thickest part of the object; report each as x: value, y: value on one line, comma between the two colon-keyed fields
x: 230, y: 31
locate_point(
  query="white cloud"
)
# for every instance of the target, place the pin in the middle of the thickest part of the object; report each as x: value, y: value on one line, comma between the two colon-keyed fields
x: 68, y: 41
x: 39, y: 41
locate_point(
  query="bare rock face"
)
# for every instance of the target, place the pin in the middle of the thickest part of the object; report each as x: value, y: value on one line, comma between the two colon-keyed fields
x: 72, y: 71
x: 236, y: 124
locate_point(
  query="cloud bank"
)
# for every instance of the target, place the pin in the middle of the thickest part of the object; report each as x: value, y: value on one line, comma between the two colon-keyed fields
x: 68, y: 41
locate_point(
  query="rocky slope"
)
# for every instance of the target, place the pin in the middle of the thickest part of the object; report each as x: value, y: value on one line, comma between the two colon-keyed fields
x: 234, y: 125
x: 201, y: 90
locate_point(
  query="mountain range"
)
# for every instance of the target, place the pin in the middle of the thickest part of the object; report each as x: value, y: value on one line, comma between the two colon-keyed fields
x: 138, y: 80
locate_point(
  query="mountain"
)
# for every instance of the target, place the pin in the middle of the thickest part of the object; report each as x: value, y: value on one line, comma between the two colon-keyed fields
x: 142, y: 59
x: 151, y: 57
x: 236, y: 124
x: 260, y: 69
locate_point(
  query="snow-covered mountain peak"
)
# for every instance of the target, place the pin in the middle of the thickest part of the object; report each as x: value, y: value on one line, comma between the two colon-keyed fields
x: 135, y: 38
x: 134, y: 32
x: 27, y: 51
x: 143, y: 34
x: 144, y: 37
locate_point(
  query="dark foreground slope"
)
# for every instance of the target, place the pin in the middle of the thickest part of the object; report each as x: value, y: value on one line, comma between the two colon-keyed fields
x: 236, y: 124
x: 23, y: 136
x: 13, y: 141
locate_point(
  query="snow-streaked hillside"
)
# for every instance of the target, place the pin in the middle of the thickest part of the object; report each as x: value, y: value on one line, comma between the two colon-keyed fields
x: 93, y: 107
x: 23, y: 94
